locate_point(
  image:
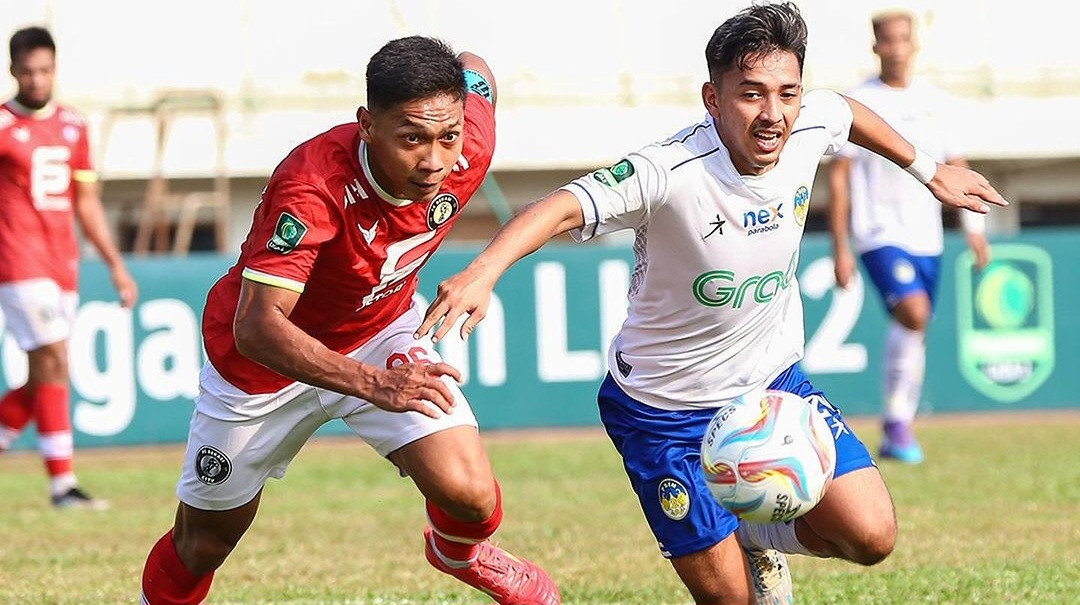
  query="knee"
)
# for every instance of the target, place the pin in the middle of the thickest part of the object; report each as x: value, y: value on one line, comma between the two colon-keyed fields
x: 201, y: 551
x: 470, y: 499
x: 874, y: 545
x: 914, y: 317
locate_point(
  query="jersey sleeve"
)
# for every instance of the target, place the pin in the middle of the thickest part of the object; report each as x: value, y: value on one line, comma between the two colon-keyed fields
x: 285, y: 237
x: 82, y: 166
x: 619, y: 197
x: 831, y: 110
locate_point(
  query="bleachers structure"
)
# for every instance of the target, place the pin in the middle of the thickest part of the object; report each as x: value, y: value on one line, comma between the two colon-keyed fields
x: 579, y: 82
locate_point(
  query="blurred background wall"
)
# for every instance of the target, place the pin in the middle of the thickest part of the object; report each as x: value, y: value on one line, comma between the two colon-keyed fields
x: 580, y: 83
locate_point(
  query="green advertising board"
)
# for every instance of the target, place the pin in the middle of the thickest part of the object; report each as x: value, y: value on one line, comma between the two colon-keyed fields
x: 996, y: 341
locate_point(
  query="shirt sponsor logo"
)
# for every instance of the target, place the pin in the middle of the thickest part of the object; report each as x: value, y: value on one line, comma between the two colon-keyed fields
x: 444, y: 206
x: 762, y: 220
x: 801, y: 200
x: 720, y: 287
x: 287, y: 234
x: 674, y: 499
x: 615, y: 174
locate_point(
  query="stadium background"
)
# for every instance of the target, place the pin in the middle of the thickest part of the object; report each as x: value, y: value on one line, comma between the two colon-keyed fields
x: 587, y: 82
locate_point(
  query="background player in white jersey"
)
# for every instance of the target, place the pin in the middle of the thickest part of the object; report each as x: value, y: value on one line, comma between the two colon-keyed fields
x: 896, y: 223
x: 47, y: 184
x: 718, y: 211
x: 315, y: 322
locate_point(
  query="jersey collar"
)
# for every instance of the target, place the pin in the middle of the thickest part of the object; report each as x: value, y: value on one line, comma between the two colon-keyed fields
x: 756, y: 186
x: 386, y: 197
x: 37, y: 114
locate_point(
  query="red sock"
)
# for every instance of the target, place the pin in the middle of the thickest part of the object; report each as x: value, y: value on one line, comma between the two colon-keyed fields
x: 15, y: 409
x: 166, y: 581
x: 50, y: 403
x: 458, y: 540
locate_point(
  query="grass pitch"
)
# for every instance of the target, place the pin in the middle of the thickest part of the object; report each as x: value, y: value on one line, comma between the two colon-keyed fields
x: 993, y: 516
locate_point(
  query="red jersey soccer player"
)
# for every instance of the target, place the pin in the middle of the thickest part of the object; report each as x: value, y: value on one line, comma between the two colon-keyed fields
x: 315, y: 322
x: 46, y: 179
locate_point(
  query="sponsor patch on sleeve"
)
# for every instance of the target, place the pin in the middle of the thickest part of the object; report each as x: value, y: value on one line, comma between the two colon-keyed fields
x: 287, y: 234
x: 616, y: 174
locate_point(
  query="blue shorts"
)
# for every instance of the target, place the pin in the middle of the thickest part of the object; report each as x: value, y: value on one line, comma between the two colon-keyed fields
x: 897, y: 273
x: 661, y: 452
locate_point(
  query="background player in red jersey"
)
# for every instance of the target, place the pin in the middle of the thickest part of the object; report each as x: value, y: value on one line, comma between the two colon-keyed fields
x: 316, y: 321
x: 46, y: 177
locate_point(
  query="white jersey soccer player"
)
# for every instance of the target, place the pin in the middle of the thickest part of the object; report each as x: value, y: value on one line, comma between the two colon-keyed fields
x: 888, y: 207
x: 896, y: 224
x: 719, y: 314
x: 718, y: 212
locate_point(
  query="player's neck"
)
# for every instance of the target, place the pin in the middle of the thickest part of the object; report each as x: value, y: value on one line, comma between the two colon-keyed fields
x: 895, y: 80
x: 20, y: 107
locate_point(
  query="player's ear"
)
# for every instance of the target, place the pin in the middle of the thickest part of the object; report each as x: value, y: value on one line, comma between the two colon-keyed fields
x: 364, y: 120
x: 709, y: 96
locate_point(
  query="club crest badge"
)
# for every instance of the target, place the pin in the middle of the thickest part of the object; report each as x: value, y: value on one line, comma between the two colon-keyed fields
x: 801, y: 200
x: 441, y: 209
x: 212, y: 466
x: 674, y: 499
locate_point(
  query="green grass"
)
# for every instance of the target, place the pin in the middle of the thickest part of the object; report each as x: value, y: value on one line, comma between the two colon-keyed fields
x: 992, y: 517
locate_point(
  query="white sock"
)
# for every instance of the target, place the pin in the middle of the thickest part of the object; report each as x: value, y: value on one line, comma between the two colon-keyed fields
x: 8, y: 436
x: 905, y: 365
x: 60, y: 484
x: 777, y: 536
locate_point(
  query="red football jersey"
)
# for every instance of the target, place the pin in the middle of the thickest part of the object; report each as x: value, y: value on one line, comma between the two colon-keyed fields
x: 42, y: 154
x: 324, y: 228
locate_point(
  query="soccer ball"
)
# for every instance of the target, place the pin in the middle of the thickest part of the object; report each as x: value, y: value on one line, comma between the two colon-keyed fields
x: 768, y: 456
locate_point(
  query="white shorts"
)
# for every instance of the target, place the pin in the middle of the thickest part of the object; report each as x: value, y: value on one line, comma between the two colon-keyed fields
x: 235, y: 443
x: 37, y: 312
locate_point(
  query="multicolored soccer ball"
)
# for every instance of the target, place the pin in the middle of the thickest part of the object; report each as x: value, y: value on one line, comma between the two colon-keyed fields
x: 768, y: 456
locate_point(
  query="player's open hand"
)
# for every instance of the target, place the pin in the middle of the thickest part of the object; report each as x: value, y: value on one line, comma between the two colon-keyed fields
x: 414, y: 386
x: 963, y: 188
x: 465, y: 292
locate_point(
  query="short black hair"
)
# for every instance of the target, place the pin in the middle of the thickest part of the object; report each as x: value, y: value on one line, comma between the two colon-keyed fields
x: 413, y: 68
x: 30, y: 38
x: 753, y: 32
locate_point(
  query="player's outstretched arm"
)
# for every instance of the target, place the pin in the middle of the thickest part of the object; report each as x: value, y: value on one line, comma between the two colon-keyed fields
x: 469, y: 291
x: 951, y: 185
x: 264, y: 334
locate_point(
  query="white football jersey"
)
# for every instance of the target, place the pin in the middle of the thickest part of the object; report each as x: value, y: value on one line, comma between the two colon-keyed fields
x: 714, y: 304
x: 889, y: 207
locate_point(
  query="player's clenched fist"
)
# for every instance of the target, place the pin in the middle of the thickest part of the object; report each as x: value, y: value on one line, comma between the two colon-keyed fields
x: 413, y: 386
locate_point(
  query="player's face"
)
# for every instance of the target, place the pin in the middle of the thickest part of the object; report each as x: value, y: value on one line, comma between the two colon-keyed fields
x: 413, y: 146
x: 34, y: 72
x: 754, y: 109
x: 894, y: 46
